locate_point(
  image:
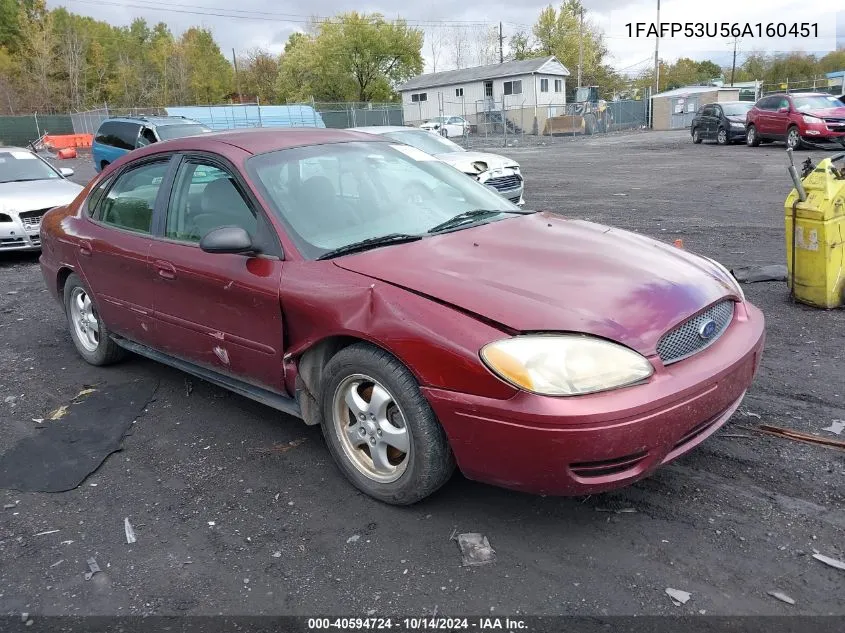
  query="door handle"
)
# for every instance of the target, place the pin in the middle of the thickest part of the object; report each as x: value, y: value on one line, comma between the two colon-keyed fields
x: 166, y: 270
x: 85, y: 249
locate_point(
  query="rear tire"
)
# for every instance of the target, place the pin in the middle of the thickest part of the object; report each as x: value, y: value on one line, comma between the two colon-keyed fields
x: 696, y: 136
x: 90, y: 335
x: 751, y: 137
x: 380, y: 430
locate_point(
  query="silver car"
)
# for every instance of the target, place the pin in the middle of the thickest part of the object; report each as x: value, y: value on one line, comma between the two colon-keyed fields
x: 503, y: 174
x: 29, y: 187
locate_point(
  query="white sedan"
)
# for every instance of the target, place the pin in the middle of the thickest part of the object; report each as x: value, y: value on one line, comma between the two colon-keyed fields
x: 447, y: 126
x: 501, y: 173
x: 29, y: 187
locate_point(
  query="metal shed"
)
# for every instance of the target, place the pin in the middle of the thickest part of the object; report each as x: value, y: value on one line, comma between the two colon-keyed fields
x: 675, y: 109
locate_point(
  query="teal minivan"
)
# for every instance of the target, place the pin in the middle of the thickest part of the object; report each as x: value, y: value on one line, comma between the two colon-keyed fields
x: 115, y: 137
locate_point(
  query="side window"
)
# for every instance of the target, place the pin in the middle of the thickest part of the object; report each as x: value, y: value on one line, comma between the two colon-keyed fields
x: 147, y: 137
x: 95, y: 196
x: 784, y: 103
x: 544, y: 85
x: 204, y: 198
x: 130, y: 202
x: 717, y: 111
x: 128, y: 135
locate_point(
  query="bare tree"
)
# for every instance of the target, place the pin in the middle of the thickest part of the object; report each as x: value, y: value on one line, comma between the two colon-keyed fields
x: 435, y: 42
x: 485, y: 45
x: 459, y: 42
x: 73, y: 52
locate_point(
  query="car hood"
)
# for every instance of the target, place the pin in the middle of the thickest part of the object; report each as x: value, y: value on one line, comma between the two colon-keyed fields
x: 826, y: 112
x: 542, y: 272
x: 464, y: 161
x: 37, y: 194
x: 737, y: 118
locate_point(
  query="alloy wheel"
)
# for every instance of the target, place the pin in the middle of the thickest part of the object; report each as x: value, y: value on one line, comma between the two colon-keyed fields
x: 84, y: 319
x: 371, y: 428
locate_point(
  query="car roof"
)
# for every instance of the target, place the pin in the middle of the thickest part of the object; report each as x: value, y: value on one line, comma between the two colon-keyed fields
x: 258, y: 140
x: 384, y: 129
x: 154, y: 120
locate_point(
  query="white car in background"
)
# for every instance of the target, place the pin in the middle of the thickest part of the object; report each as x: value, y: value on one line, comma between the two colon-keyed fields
x: 447, y: 126
x: 493, y: 170
x: 29, y: 187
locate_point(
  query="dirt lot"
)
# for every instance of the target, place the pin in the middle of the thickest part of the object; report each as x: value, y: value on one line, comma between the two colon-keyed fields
x: 737, y: 518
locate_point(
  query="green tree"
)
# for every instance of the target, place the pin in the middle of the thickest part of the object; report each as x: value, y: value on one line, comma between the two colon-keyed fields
x: 209, y: 72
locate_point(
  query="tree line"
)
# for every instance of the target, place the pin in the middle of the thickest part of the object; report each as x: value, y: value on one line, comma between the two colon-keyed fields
x: 56, y: 61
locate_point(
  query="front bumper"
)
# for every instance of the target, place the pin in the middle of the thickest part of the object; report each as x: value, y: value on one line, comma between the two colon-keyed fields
x: 822, y: 132
x: 591, y: 444
x: 20, y: 235
x: 736, y: 133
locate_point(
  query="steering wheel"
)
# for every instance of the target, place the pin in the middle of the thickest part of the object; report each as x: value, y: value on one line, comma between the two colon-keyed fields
x: 417, y: 193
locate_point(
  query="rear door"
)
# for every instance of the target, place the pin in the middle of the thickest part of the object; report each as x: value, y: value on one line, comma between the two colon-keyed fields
x: 220, y: 311
x: 114, y: 247
x: 708, y: 122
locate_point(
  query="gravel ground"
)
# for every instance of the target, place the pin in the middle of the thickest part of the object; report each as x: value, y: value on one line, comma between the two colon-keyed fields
x: 738, y: 517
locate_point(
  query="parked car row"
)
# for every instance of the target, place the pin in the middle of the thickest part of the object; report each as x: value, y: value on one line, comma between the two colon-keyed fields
x: 797, y: 119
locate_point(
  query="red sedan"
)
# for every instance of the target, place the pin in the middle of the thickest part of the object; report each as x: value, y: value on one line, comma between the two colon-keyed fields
x: 420, y: 318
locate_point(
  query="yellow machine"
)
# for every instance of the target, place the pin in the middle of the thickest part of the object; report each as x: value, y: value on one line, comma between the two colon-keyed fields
x: 815, y: 233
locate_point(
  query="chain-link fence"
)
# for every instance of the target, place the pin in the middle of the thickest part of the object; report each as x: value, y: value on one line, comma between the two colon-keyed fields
x: 234, y: 116
x: 22, y: 130
x: 514, y: 120
x: 835, y: 87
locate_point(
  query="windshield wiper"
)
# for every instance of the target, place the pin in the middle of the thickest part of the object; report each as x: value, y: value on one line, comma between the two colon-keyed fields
x: 467, y: 217
x: 24, y: 180
x: 371, y: 242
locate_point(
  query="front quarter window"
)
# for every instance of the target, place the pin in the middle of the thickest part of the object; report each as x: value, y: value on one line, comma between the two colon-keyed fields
x: 330, y: 196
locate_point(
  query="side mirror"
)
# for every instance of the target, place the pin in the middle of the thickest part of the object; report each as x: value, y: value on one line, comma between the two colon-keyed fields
x: 67, y: 172
x: 227, y: 239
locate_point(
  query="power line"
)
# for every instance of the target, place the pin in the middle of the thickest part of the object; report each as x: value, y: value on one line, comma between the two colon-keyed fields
x: 264, y: 16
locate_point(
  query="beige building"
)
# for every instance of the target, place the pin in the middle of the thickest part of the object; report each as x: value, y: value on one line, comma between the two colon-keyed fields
x: 675, y: 109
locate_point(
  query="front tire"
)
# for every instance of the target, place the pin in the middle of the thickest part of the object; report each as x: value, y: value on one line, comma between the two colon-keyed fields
x: 90, y: 335
x: 793, y: 138
x: 380, y: 430
x: 722, y: 136
x: 696, y: 136
x: 751, y: 137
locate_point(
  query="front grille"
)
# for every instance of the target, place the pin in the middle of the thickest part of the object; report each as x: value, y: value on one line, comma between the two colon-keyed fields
x: 606, y: 467
x: 835, y: 124
x: 515, y: 199
x: 32, y: 219
x: 505, y: 183
x: 11, y: 242
x: 686, y: 339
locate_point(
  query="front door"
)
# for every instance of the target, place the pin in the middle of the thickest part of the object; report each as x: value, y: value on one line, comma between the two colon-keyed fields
x: 221, y: 311
x: 114, y: 248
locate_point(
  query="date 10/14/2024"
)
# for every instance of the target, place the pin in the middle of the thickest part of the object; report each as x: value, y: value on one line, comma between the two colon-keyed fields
x: 723, y: 29
x: 505, y: 624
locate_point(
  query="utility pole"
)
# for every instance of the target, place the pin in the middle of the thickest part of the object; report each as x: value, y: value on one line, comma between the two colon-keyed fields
x: 656, y: 49
x: 733, y: 66
x: 580, y: 47
x: 501, y: 45
x: 237, y: 79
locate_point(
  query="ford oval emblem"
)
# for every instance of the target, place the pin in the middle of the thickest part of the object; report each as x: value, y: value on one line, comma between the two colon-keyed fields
x: 707, y: 329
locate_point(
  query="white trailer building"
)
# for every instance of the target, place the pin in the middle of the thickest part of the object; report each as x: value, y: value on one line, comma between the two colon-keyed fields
x: 522, y: 89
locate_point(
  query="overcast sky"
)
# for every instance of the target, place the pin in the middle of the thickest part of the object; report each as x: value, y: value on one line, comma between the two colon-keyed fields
x: 259, y: 23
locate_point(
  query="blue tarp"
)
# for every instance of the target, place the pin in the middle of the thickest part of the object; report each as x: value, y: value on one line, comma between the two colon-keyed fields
x: 227, y: 117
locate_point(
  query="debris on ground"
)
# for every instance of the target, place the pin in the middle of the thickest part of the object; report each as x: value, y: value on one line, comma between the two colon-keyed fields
x: 619, y: 511
x: 678, y: 596
x: 189, y: 387
x: 476, y: 549
x: 781, y: 596
x: 754, y: 274
x: 130, y: 533
x: 353, y: 538
x: 800, y: 437
x: 9, y: 506
x: 93, y: 568
x: 59, y: 413
x: 827, y: 560
x: 837, y: 426
x: 82, y: 393
x: 58, y: 562
x: 46, y: 532
x: 10, y: 400
x: 281, y: 448
x: 751, y: 414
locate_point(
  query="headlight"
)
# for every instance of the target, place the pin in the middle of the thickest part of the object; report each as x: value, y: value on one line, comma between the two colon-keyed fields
x: 728, y: 274
x: 811, y: 120
x: 737, y: 124
x: 565, y: 364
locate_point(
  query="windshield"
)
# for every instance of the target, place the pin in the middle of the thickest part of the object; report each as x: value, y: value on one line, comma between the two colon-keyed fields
x: 818, y: 102
x: 329, y: 196
x: 425, y: 141
x: 167, y: 132
x: 437, y: 119
x: 736, y: 109
x: 17, y: 165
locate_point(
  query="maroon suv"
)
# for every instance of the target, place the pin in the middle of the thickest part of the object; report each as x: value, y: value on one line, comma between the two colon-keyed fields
x: 796, y: 119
